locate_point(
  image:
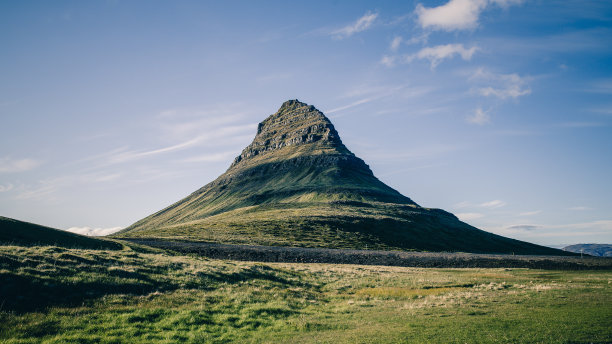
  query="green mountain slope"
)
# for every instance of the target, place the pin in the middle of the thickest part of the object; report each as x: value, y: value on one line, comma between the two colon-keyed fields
x: 297, y: 184
x: 15, y: 232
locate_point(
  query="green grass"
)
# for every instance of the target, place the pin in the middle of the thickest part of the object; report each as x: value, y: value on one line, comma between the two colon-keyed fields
x: 350, y: 225
x: 60, y: 295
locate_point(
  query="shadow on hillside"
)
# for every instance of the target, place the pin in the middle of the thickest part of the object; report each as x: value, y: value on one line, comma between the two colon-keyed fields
x: 37, y: 290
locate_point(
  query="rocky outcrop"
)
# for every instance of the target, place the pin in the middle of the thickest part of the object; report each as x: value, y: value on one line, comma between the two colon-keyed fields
x: 295, y: 123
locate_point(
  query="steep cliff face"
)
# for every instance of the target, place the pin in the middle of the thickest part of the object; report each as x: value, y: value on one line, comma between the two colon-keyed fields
x: 294, y: 124
x: 297, y: 184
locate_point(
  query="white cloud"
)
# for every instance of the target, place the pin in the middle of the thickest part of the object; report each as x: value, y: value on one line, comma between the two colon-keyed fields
x: 395, y: 43
x: 456, y: 14
x: 479, y: 117
x: 213, y: 157
x: 360, y: 25
x: 7, y: 187
x: 490, y: 205
x: 530, y: 213
x: 579, y: 208
x: 9, y: 165
x: 94, y: 231
x: 388, y: 61
x: 440, y: 52
x: 469, y: 216
x: 523, y: 227
x: 504, y: 85
x: 493, y: 204
x: 513, y: 91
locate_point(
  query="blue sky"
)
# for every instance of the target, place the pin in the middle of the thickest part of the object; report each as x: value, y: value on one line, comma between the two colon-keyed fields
x: 499, y: 111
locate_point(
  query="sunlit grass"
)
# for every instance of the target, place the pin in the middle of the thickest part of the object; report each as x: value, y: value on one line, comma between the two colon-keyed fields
x: 139, y: 295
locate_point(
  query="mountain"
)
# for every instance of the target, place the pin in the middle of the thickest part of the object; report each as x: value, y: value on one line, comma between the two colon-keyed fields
x: 15, y: 232
x: 297, y: 184
x: 597, y: 250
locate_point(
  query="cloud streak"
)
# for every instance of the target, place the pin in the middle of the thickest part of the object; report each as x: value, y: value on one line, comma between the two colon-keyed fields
x: 501, y: 86
x: 362, y: 24
x: 9, y: 165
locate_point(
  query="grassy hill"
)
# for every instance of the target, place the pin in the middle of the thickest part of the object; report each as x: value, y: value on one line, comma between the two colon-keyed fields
x: 15, y: 232
x: 297, y: 184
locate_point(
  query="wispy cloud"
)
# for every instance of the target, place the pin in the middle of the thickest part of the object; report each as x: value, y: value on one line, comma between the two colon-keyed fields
x: 530, y: 213
x: 215, y: 133
x: 513, y: 91
x: 455, y: 14
x: 7, y: 187
x: 579, y: 229
x: 524, y: 227
x: 601, y: 86
x: 42, y: 191
x: 395, y: 43
x: 479, y: 117
x: 493, y: 204
x: 352, y: 105
x: 275, y: 77
x: 579, y: 208
x: 94, y: 231
x: 133, y: 155
x: 581, y: 124
x: 503, y: 85
x: 469, y: 216
x: 368, y: 93
x: 45, y: 189
x: 361, y: 24
x: 9, y: 165
x: 606, y: 110
x: 422, y: 152
x: 213, y: 157
x: 438, y: 53
x: 490, y: 205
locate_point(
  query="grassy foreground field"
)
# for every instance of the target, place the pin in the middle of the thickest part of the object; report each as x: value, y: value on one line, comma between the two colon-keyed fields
x: 60, y: 295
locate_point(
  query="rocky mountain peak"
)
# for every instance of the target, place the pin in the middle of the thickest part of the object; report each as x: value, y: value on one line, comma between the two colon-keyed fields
x: 294, y: 124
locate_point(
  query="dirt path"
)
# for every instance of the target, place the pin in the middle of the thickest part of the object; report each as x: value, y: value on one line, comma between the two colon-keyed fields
x: 370, y: 257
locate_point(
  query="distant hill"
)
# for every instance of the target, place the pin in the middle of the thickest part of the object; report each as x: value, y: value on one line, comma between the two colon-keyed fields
x: 297, y: 184
x: 15, y: 232
x: 598, y: 250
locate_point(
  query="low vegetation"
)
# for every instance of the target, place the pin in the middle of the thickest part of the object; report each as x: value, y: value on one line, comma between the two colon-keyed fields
x: 25, y: 233
x: 54, y: 294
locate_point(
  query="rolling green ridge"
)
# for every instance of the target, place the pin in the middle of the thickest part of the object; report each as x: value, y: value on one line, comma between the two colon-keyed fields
x: 297, y: 184
x: 24, y: 233
x: 53, y: 294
